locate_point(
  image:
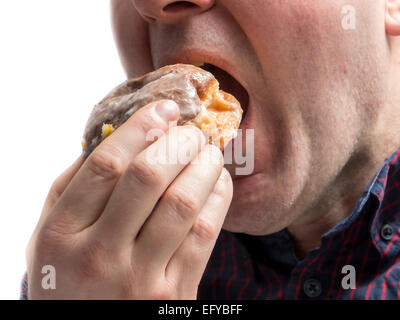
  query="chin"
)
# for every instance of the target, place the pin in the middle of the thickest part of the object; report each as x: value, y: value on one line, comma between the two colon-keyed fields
x: 249, y: 219
x: 261, y: 205
x: 250, y: 211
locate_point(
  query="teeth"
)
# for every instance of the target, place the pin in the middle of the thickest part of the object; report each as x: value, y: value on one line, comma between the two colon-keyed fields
x: 198, y: 64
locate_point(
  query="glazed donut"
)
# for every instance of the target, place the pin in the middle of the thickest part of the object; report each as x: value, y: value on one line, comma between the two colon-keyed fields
x: 196, y: 91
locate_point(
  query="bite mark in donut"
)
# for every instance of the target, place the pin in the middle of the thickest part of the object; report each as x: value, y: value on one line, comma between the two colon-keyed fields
x: 196, y: 91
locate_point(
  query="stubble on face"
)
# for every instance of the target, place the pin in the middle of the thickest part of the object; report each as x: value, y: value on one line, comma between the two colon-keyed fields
x: 315, y: 90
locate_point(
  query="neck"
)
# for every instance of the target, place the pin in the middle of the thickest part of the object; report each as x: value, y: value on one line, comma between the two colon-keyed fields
x: 336, y: 203
x: 339, y: 199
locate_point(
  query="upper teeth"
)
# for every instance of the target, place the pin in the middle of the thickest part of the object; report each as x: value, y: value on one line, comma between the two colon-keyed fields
x: 198, y: 64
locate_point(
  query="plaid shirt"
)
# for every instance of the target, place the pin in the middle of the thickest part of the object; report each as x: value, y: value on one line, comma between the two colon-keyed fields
x: 266, y: 267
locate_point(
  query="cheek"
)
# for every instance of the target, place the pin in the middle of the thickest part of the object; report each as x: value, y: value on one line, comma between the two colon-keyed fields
x: 307, y: 57
x: 130, y: 33
x: 296, y: 32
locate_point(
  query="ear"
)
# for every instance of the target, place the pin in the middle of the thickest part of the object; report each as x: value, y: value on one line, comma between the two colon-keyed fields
x: 392, y: 17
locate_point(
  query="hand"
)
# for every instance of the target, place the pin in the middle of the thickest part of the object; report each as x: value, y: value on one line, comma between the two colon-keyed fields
x: 124, y: 226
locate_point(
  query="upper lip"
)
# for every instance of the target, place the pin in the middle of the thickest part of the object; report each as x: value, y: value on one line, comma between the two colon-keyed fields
x: 198, y: 55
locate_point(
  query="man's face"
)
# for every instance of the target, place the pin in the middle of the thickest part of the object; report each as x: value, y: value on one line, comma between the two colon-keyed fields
x: 314, y: 88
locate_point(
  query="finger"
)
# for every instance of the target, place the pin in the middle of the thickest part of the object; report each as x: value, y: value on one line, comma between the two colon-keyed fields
x: 143, y: 183
x: 87, y: 194
x: 188, y: 263
x: 54, y: 194
x: 60, y: 184
x: 178, y: 209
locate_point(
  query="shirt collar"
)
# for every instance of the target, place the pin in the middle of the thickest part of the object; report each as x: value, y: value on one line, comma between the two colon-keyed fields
x: 379, y: 202
x: 387, y: 191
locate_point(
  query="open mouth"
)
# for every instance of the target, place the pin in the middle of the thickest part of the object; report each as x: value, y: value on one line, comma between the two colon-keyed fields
x: 230, y: 85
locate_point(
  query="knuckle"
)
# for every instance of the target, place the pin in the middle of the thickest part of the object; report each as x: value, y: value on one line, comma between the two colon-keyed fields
x: 204, y: 230
x: 93, y: 261
x: 106, y: 163
x: 47, y: 244
x: 128, y: 290
x: 189, y: 132
x: 55, y: 190
x: 144, y: 172
x: 190, y: 129
x: 193, y: 253
x: 53, y: 233
x: 146, y: 122
x: 181, y: 202
x: 162, y: 292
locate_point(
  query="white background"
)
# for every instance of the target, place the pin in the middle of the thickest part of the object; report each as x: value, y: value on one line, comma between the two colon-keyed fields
x: 57, y: 59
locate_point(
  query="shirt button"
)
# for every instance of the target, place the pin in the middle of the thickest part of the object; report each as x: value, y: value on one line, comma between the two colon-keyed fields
x: 312, y: 288
x: 387, y: 232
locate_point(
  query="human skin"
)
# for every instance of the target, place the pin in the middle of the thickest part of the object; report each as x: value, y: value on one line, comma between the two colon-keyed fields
x: 325, y: 113
x: 322, y: 102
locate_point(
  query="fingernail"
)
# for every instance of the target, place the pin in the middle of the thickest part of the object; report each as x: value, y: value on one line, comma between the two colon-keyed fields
x: 167, y: 110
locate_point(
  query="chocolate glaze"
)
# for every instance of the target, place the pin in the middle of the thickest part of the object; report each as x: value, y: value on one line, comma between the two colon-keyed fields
x: 184, y: 84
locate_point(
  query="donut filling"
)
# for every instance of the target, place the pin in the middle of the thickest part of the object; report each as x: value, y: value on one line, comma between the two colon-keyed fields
x: 196, y: 91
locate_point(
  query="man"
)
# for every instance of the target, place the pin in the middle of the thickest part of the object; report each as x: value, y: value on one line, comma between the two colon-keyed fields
x: 319, y: 217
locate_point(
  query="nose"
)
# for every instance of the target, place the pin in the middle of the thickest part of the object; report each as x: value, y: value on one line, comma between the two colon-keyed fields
x: 170, y: 11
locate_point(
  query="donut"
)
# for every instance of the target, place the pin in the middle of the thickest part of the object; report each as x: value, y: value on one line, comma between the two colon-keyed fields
x: 196, y: 91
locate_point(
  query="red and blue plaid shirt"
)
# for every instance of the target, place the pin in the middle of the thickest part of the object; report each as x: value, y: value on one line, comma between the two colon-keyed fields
x: 266, y: 267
